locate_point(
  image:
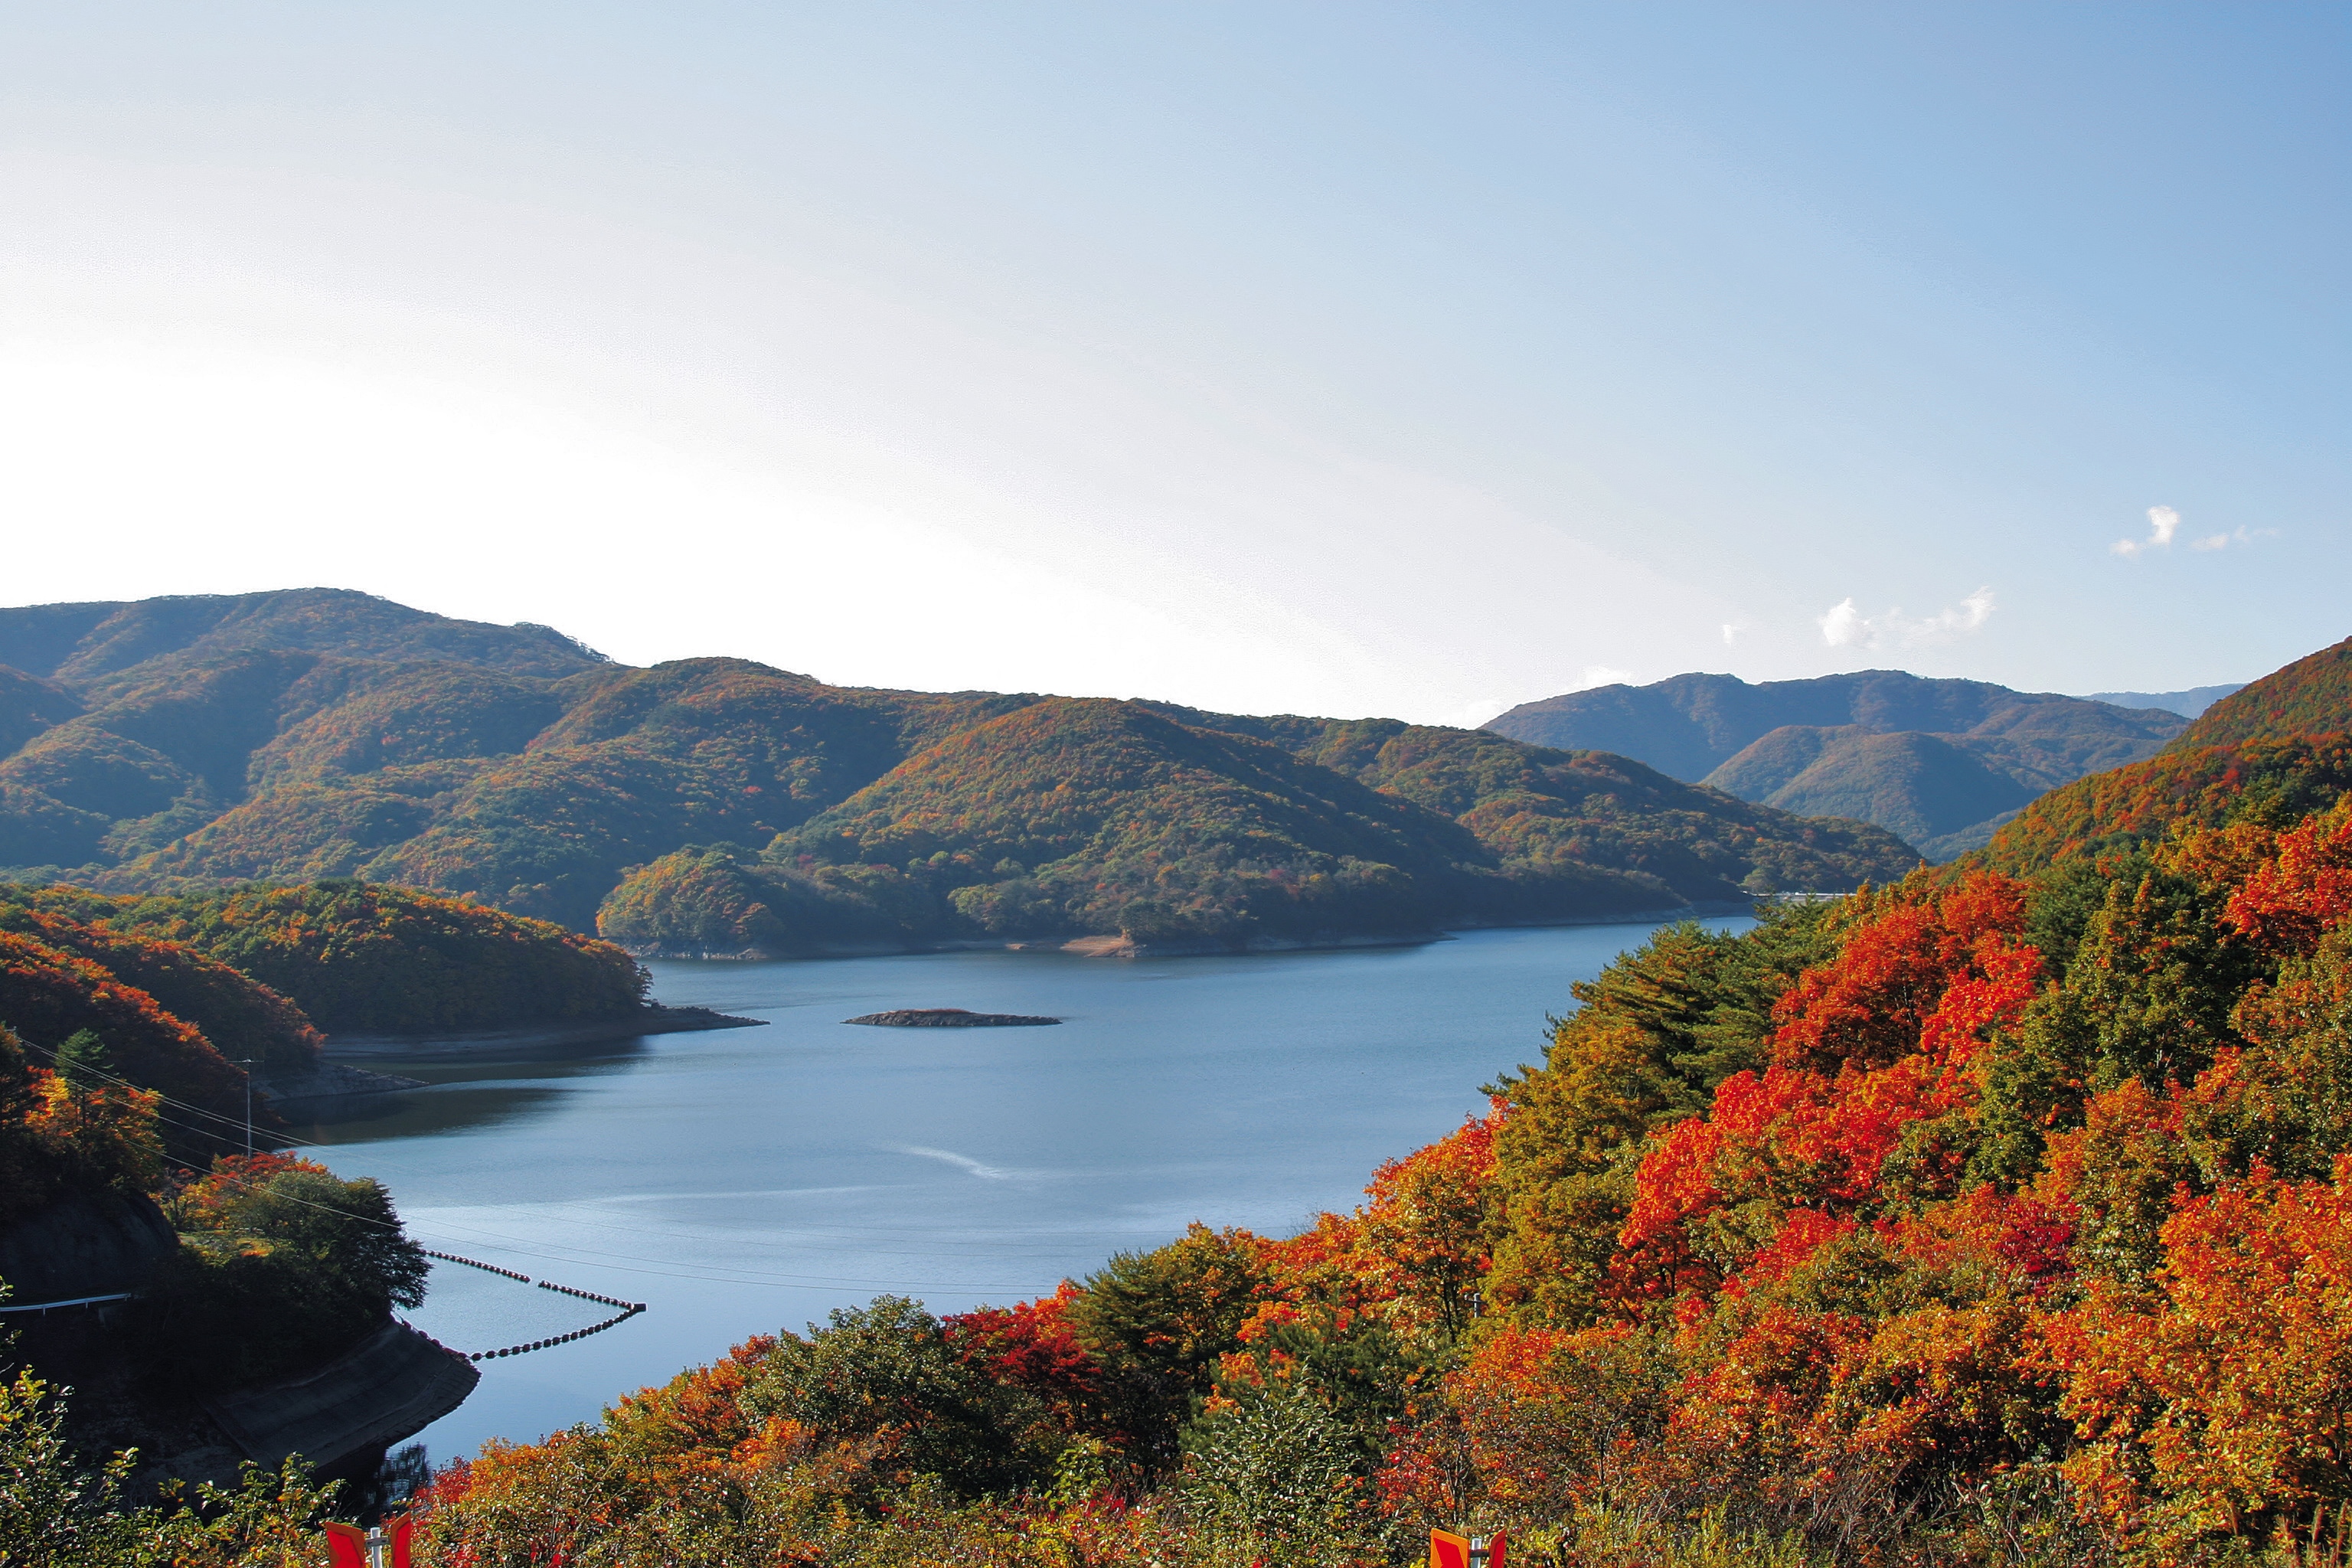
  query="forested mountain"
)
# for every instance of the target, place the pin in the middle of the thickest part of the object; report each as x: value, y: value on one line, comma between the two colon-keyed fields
x: 1923, y: 786
x: 2312, y: 696
x: 1098, y: 816
x: 1941, y: 762
x: 89, y: 646
x: 1977, y: 1221
x: 186, y: 744
x: 2272, y: 752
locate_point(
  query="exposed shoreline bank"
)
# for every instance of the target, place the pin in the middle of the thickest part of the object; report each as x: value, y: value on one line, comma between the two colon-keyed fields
x: 654, y: 1020
x: 1120, y: 946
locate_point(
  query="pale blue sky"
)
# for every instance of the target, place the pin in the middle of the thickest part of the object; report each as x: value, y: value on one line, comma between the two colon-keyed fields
x: 1347, y: 359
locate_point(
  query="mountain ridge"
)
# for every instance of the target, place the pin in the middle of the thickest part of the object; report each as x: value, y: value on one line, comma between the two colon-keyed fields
x: 256, y: 743
x: 1975, y: 754
x: 2277, y: 748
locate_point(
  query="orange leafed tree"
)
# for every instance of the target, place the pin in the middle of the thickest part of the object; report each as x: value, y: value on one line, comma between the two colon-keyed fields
x: 2222, y: 1401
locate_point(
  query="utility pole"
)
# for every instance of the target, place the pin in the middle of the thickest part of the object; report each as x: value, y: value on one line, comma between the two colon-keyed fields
x: 247, y: 1064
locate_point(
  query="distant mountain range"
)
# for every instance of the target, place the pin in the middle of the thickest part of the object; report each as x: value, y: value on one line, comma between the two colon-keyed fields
x: 2187, y: 704
x: 1943, y: 764
x: 719, y: 804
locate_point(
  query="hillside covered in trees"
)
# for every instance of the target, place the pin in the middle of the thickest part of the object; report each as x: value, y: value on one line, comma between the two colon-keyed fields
x: 122, y: 1107
x: 185, y: 745
x: 1994, y: 1217
x: 1943, y: 764
x: 1989, y: 1218
x: 2272, y: 752
x: 1093, y: 816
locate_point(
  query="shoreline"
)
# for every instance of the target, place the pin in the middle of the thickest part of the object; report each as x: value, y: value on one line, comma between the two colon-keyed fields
x: 1120, y: 946
x: 654, y: 1020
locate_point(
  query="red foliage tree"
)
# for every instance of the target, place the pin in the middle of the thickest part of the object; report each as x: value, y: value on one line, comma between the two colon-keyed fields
x: 2288, y: 902
x: 1033, y: 1346
x: 1878, y: 1039
x: 1869, y: 1005
x: 48, y: 995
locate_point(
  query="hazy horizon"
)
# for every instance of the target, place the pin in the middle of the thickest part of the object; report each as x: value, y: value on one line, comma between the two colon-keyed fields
x: 1266, y: 360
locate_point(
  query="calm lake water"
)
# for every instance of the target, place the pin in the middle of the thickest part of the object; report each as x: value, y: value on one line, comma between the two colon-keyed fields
x: 740, y: 1181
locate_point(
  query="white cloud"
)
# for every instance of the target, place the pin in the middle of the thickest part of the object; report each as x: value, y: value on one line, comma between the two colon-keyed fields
x: 1844, y: 626
x: 1601, y: 675
x: 2238, y: 536
x: 2163, y: 523
x: 1732, y: 630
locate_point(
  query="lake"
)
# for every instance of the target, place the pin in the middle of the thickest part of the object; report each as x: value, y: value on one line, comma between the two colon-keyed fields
x: 740, y: 1181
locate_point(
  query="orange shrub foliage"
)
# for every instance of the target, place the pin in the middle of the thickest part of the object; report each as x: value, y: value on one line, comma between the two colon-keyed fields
x: 1548, y: 1419
x: 1870, y: 1005
x: 1421, y: 1240
x: 695, y: 1421
x: 201, y: 1203
x: 57, y: 1139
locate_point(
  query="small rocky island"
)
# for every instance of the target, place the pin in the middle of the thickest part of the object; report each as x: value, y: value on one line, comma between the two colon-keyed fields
x: 950, y: 1018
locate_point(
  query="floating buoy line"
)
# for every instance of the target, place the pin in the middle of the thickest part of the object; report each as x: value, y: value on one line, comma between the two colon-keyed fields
x: 475, y: 1263
x: 628, y: 1310
x: 213, y: 1124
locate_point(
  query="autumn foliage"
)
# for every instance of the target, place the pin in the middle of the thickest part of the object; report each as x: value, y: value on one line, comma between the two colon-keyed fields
x: 1974, y: 1219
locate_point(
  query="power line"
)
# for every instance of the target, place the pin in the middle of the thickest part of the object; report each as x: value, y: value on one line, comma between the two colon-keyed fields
x: 619, y: 1261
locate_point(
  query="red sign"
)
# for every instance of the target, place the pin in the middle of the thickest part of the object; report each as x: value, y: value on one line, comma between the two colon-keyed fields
x: 347, y: 1544
x: 1448, y: 1550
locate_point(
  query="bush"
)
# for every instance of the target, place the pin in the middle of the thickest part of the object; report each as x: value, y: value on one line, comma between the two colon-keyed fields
x: 284, y: 1266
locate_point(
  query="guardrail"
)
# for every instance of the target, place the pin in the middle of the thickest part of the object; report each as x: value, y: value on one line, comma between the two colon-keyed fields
x: 76, y: 1301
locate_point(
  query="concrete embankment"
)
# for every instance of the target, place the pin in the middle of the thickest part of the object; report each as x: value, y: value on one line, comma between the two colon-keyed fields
x: 390, y: 1385
x: 326, y: 1088
x: 341, y: 1416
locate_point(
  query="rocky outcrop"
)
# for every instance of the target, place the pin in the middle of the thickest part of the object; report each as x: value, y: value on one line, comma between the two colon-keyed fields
x: 950, y: 1018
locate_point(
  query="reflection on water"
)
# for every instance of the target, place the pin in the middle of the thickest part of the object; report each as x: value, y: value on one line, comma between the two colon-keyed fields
x: 741, y: 1181
x: 478, y: 1089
